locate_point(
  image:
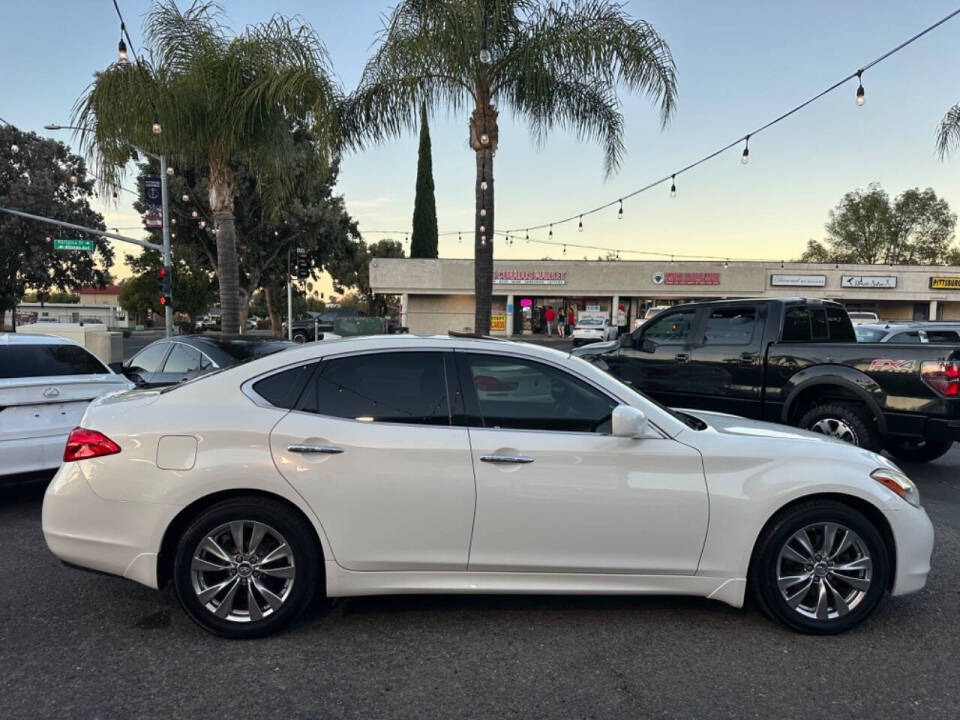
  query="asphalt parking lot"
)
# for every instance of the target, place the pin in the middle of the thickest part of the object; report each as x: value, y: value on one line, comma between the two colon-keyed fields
x: 78, y: 645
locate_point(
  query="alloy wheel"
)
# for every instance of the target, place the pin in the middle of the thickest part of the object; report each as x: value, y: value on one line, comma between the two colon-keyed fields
x: 824, y: 571
x: 243, y: 571
x: 836, y: 428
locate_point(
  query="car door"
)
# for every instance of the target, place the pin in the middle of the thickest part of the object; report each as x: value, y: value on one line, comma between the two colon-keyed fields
x: 557, y: 493
x: 657, y: 360
x: 371, y: 447
x: 726, y: 362
x: 144, y: 367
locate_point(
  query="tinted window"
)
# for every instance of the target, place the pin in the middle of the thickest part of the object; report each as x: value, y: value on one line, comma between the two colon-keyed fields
x: 869, y: 335
x: 519, y: 393
x: 796, y: 324
x: 241, y: 350
x: 818, y: 325
x: 673, y: 328
x: 841, y: 329
x: 401, y: 387
x: 44, y: 360
x: 906, y: 337
x: 150, y: 357
x: 182, y: 359
x: 730, y: 326
x: 283, y: 388
x: 942, y: 336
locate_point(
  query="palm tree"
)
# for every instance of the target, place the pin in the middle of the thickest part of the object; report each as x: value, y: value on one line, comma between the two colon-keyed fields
x: 552, y: 64
x: 222, y: 99
x: 948, y: 134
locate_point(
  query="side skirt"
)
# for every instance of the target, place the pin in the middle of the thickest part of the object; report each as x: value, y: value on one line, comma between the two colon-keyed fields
x: 346, y: 583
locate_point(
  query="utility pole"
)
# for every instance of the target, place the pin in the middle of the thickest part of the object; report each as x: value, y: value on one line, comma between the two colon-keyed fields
x: 289, y: 300
x: 164, y: 199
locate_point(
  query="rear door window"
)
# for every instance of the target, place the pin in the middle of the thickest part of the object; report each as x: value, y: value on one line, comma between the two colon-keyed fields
x: 150, y: 358
x: 732, y: 325
x: 182, y: 359
x: 48, y: 360
x: 906, y: 337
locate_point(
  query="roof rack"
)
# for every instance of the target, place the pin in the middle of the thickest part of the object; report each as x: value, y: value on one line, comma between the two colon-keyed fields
x: 472, y: 336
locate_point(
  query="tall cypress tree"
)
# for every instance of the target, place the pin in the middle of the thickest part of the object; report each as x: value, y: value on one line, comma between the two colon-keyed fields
x: 423, y: 242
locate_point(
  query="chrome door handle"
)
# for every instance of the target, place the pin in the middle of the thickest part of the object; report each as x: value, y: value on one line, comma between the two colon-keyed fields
x: 517, y: 459
x: 324, y: 449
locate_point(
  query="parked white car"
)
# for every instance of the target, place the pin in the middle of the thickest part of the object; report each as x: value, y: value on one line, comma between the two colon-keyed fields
x: 593, y: 328
x: 863, y: 316
x: 46, y: 383
x: 399, y: 464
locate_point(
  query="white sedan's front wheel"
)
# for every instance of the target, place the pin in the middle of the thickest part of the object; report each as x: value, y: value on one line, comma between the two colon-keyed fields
x: 822, y: 567
x: 246, y: 567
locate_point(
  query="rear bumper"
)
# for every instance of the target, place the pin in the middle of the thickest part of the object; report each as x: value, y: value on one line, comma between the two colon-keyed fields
x: 118, y: 538
x: 938, y: 429
x: 26, y: 455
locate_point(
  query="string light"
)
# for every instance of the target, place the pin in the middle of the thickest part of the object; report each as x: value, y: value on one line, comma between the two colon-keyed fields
x: 745, y: 156
x: 551, y: 231
x: 483, y: 228
x: 861, y: 95
x: 484, y: 139
x: 157, y: 128
x: 673, y: 186
x: 485, y: 57
x: 122, y: 49
x: 194, y: 214
x: 483, y: 184
x: 580, y: 225
x: 73, y: 178
x: 620, y: 211
x: 173, y: 221
x: 528, y: 236
x: 14, y: 148
x: 185, y: 197
x: 170, y: 170
x: 203, y: 223
x: 483, y: 241
x: 564, y: 249
x: 483, y: 212
x: 459, y: 239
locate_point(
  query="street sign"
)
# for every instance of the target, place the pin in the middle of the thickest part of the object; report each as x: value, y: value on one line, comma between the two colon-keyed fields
x: 64, y: 244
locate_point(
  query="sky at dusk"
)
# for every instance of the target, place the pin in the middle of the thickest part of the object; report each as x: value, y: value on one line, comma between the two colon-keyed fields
x: 739, y: 65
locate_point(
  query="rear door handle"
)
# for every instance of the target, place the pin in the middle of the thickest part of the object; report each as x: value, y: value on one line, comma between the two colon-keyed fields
x: 322, y: 449
x: 503, y: 459
x: 682, y: 357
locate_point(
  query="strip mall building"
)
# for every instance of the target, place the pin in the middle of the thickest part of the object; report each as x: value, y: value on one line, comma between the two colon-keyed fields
x: 438, y: 295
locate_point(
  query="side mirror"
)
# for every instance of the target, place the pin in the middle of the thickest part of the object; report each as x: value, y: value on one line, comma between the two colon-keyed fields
x: 116, y: 367
x: 628, y: 421
x: 135, y: 378
x: 648, y: 346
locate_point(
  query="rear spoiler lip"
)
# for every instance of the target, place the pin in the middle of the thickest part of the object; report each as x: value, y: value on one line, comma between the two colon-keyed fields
x: 598, y: 348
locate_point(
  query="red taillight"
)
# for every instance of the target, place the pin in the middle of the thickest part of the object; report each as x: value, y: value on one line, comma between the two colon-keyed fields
x: 83, y: 444
x: 942, y: 376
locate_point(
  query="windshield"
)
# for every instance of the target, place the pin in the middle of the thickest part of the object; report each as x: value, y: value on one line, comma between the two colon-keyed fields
x: 869, y: 335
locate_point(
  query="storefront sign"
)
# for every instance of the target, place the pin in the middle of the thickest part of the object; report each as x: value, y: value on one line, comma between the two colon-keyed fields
x: 529, y: 277
x: 868, y: 281
x: 948, y: 282
x: 498, y: 322
x: 798, y: 280
x: 686, y: 278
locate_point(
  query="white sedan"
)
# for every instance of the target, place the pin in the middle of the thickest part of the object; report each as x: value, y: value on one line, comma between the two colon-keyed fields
x: 593, y: 329
x: 398, y: 464
x: 46, y: 383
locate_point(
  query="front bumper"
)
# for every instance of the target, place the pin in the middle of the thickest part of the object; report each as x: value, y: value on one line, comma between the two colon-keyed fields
x: 119, y: 538
x: 913, y: 537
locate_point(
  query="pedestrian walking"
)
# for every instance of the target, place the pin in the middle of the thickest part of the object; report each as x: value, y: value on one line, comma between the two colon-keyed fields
x: 561, y: 324
x: 571, y: 320
x: 550, y: 317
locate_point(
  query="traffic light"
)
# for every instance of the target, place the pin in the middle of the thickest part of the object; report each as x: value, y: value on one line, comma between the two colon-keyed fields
x: 303, y: 264
x: 165, y: 282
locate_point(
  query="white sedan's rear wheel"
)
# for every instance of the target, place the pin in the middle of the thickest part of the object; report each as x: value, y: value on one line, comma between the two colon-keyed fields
x: 246, y: 567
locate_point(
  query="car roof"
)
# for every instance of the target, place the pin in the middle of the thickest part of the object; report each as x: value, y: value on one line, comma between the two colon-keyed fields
x: 33, y: 339
x: 755, y: 300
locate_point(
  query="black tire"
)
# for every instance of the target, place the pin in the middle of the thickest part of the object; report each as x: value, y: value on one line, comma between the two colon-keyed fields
x: 917, y: 450
x: 304, y: 574
x: 300, y: 337
x: 764, y: 573
x: 855, y: 418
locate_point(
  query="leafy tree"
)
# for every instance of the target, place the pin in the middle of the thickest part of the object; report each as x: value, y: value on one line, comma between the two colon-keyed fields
x: 423, y: 241
x: 223, y: 100
x: 553, y: 64
x: 917, y: 228
x: 40, y: 176
x: 194, y: 290
x: 948, y: 133
x: 353, y: 271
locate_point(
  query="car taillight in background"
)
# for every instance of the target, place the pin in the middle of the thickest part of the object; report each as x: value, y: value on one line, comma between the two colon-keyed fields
x: 942, y: 376
x: 83, y: 444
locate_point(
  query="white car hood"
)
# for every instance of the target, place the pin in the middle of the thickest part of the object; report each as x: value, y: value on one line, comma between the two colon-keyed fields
x: 735, y: 425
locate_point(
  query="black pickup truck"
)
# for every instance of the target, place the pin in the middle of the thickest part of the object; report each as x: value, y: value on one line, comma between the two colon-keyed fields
x: 794, y: 361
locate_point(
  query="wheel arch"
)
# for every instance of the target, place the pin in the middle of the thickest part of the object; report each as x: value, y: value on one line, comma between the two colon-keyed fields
x: 844, y: 384
x: 868, y: 509
x: 176, y: 527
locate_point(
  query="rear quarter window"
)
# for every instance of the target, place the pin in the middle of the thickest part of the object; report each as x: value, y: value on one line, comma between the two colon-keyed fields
x: 18, y: 361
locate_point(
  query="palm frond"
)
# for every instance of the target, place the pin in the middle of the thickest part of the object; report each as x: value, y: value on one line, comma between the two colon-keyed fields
x: 948, y: 133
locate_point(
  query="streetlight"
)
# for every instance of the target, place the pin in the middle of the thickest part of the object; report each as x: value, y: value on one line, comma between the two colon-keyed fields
x: 164, y: 200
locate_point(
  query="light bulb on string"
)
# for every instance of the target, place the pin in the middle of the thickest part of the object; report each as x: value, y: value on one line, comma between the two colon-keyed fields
x: 620, y: 211
x: 157, y: 128
x: 673, y: 186
x: 173, y: 221
x: 122, y: 49
x: 459, y: 238
x: 551, y: 231
x: 170, y: 170
x: 194, y: 214
x: 483, y: 241
x: 14, y: 148
x: 73, y: 178
x: 564, y: 249
x: 483, y: 184
x: 483, y: 228
x: 485, y: 57
x: 528, y: 236
x: 203, y: 223
x: 483, y: 212
x: 580, y: 224
x: 484, y: 139
x: 745, y: 156
x: 185, y: 198
x: 861, y: 95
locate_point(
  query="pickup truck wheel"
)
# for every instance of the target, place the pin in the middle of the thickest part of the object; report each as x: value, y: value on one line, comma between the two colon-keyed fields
x: 917, y: 450
x: 300, y: 337
x: 821, y: 567
x: 843, y: 421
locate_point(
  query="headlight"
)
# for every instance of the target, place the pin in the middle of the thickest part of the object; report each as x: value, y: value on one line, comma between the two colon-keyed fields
x: 899, y: 483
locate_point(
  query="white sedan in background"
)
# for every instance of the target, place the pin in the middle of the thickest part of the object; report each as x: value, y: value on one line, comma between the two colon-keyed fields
x: 593, y: 328
x: 398, y: 464
x: 46, y: 383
